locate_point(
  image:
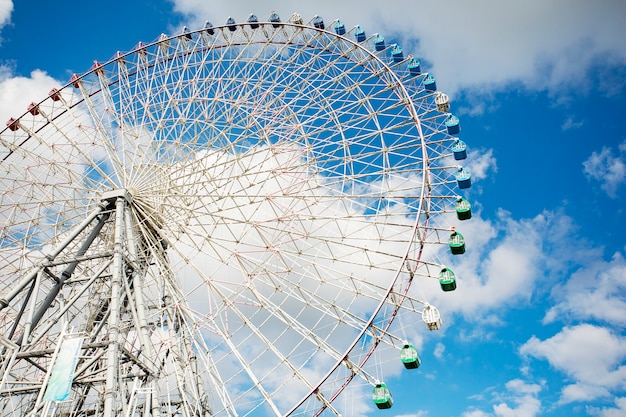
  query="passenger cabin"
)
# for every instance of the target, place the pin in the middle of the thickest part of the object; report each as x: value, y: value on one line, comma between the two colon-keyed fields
x: 75, y: 81
x: 340, y: 28
x: 452, y: 125
x: 232, y: 26
x: 382, y: 396
x: 253, y: 21
x: 318, y: 22
x: 429, y: 82
x: 442, y: 102
x: 463, y: 178
x: 275, y: 20
x: 456, y: 242
x: 33, y: 108
x: 297, y: 19
x: 13, y: 124
x: 397, y: 54
x: 379, y: 43
x: 164, y: 43
x: 208, y: 27
x: 463, y: 209
x: 447, y: 280
x: 414, y: 67
x: 459, y: 150
x: 409, y: 356
x: 119, y: 57
x: 359, y: 34
x: 55, y: 94
x: 97, y: 68
x: 187, y: 34
x: 431, y: 317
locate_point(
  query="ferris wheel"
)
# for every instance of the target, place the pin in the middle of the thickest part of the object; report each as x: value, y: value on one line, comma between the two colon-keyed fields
x: 231, y: 221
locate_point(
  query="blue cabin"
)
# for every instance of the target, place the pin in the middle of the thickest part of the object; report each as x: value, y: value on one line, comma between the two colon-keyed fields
x: 254, y: 21
x: 231, y: 24
x: 359, y: 34
x: 463, y: 209
x: 208, y: 27
x: 187, y: 33
x: 456, y: 242
x: 452, y: 124
x: 379, y: 43
x: 409, y: 356
x: 396, y: 53
x: 429, y: 82
x: 340, y: 28
x: 414, y: 67
x: 382, y: 396
x: 459, y: 150
x: 275, y: 20
x: 447, y: 280
x: 463, y: 178
x: 318, y: 22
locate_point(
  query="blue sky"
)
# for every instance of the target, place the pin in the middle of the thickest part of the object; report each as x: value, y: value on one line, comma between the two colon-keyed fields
x: 536, y: 327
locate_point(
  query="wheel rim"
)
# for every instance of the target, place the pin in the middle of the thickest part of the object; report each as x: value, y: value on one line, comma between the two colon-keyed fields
x: 282, y: 181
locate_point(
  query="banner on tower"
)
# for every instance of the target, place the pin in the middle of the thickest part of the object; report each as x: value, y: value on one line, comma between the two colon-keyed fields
x: 60, y: 382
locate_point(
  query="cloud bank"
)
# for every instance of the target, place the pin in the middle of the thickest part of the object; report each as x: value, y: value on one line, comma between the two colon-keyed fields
x: 479, y: 44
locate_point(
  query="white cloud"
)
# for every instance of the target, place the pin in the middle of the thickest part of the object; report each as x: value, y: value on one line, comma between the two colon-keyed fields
x: 501, y: 264
x: 589, y: 355
x: 481, y: 163
x: 524, y: 396
x: 519, y: 400
x: 440, y: 349
x: 595, y: 291
x: 607, y: 169
x: 470, y: 44
x: 6, y: 8
x: 477, y: 333
x: 571, y: 123
x: 475, y: 413
x: 618, y: 411
x: 580, y: 392
x: 18, y: 92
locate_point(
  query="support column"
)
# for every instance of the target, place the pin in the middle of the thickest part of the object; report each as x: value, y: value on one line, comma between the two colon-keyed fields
x: 148, y: 354
x: 112, y: 373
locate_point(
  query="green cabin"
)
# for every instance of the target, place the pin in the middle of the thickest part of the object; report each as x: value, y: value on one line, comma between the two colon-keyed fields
x: 409, y: 356
x: 382, y: 396
x: 463, y: 209
x: 456, y: 243
x: 447, y: 280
